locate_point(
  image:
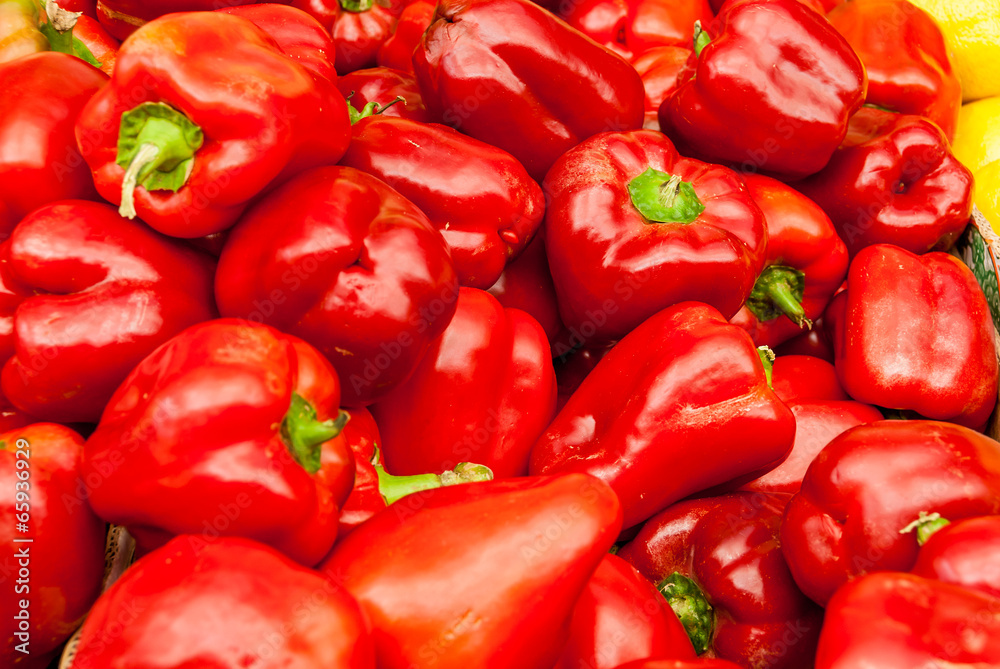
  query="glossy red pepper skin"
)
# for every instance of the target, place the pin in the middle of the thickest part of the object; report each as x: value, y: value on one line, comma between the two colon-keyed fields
x: 679, y: 664
x: 387, y: 287
x: 870, y: 483
x: 900, y: 621
x: 633, y: 27
x: 603, y: 21
x: 621, y: 617
x: 821, y: 6
x: 660, y: 69
x: 358, y: 27
x: 58, y: 563
x: 773, y: 91
x: 906, y: 59
x: 483, y: 393
x: 211, y: 408
x: 39, y: 159
x: 487, y: 67
x: 965, y: 554
x: 99, y: 41
x: 800, y: 238
x: 623, y: 424
x: 250, y: 142
x: 418, y: 571
x: 900, y: 311
x: 100, y: 292
x: 479, y: 197
x: 383, y: 85
x: 88, y: 7
x: 613, y: 267
x: 729, y: 547
x: 365, y: 500
x: 796, y: 379
x: 270, y: 612
x: 397, y: 49
x: 526, y: 284
x: 121, y: 18
x: 895, y: 181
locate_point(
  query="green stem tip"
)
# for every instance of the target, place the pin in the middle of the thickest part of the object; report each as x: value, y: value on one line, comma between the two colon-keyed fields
x: 692, y: 608
x: 370, y: 109
x: 701, y: 38
x: 304, y: 434
x: 778, y: 291
x: 664, y: 198
x: 926, y: 525
x: 394, y: 488
x: 767, y: 357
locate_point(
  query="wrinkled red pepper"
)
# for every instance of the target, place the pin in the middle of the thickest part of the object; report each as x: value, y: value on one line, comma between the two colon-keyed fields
x: 487, y: 67
x: 97, y: 294
x: 660, y: 69
x: 358, y: 27
x: 685, y: 392
x: 874, y: 481
x: 631, y: 227
x: 121, y: 18
x: 383, y: 85
x: 916, y: 334
x: 248, y: 420
x: 963, y: 553
x: 771, y: 89
x: 397, y: 49
x: 420, y: 572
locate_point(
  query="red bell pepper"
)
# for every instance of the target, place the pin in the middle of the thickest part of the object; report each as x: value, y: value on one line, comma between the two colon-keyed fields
x: 631, y: 227
x: 894, y: 181
x: 102, y: 46
x: 485, y: 574
x: 383, y: 85
x: 771, y: 89
x: 679, y: 664
x: 871, y: 483
x: 121, y: 18
x: 797, y: 379
x: 358, y: 27
x: 479, y: 197
x: 231, y: 429
x: 963, y: 553
x: 620, y: 617
x: 633, y: 27
x: 484, y: 392
x: 526, y: 284
x: 230, y: 603
x: 52, y: 559
x: 682, y: 385
x: 39, y: 160
x: 906, y: 59
x: 603, y: 21
x: 901, y: 621
x: 718, y: 562
x: 817, y: 342
x: 397, y: 49
x: 185, y: 140
x: 507, y: 73
x: 340, y: 259
x: 916, y: 334
x: 98, y: 294
x: 806, y: 264
x: 660, y: 69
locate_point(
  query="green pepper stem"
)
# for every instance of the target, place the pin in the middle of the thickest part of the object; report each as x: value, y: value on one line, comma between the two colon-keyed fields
x: 356, y: 6
x: 926, y: 525
x: 394, y: 488
x: 370, y: 109
x: 304, y: 434
x: 779, y: 290
x: 664, y: 198
x: 692, y: 608
x: 767, y: 357
x: 701, y: 38
x: 144, y: 157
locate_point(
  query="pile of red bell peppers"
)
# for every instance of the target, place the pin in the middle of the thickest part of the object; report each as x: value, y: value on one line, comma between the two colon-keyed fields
x: 577, y: 334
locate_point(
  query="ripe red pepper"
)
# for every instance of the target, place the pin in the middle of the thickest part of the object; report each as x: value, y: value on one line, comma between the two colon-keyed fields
x: 97, y: 294
x: 679, y: 664
x: 185, y: 140
x: 488, y: 67
x: 796, y: 379
x: 806, y: 263
x: 52, y: 574
x: 340, y: 259
x: 39, y: 161
x: 660, y: 69
x: 771, y: 89
x: 963, y: 553
x: 682, y: 385
x: 230, y: 603
x: 479, y: 197
x: 603, y: 21
x: 383, y: 85
x: 485, y: 574
x: 230, y: 428
x: 632, y: 227
x: 102, y: 46
x: 620, y: 617
x: 484, y: 392
x: 358, y: 27
x: 526, y: 284
x: 121, y: 18
x: 905, y: 57
x: 633, y: 27
x: 901, y: 621
x: 397, y: 49
x: 874, y: 481
x: 718, y: 562
x: 902, y: 313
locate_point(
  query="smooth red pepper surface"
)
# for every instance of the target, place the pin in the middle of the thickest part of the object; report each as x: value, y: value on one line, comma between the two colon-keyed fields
x: 263, y: 117
x: 678, y: 406
x: 905, y: 57
x: 383, y: 85
x: 121, y: 18
x: 39, y: 159
x: 479, y: 197
x: 895, y: 181
x: 101, y: 44
x: 724, y: 551
x: 679, y: 664
x: 633, y: 27
x: 526, y: 284
x: 62, y: 548
x: 872, y: 482
x: 99, y: 293
x: 621, y: 617
x: 601, y: 20
x: 226, y: 415
x: 365, y: 500
x: 802, y: 378
x: 343, y: 261
x: 916, y: 334
x: 223, y: 603
x: 483, y: 393
x: 510, y: 74
x: 616, y: 259
x: 358, y: 27
x: 420, y: 572
x: 397, y: 49
x: 660, y: 69
x: 772, y: 91
x: 901, y: 621
x: 964, y: 553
